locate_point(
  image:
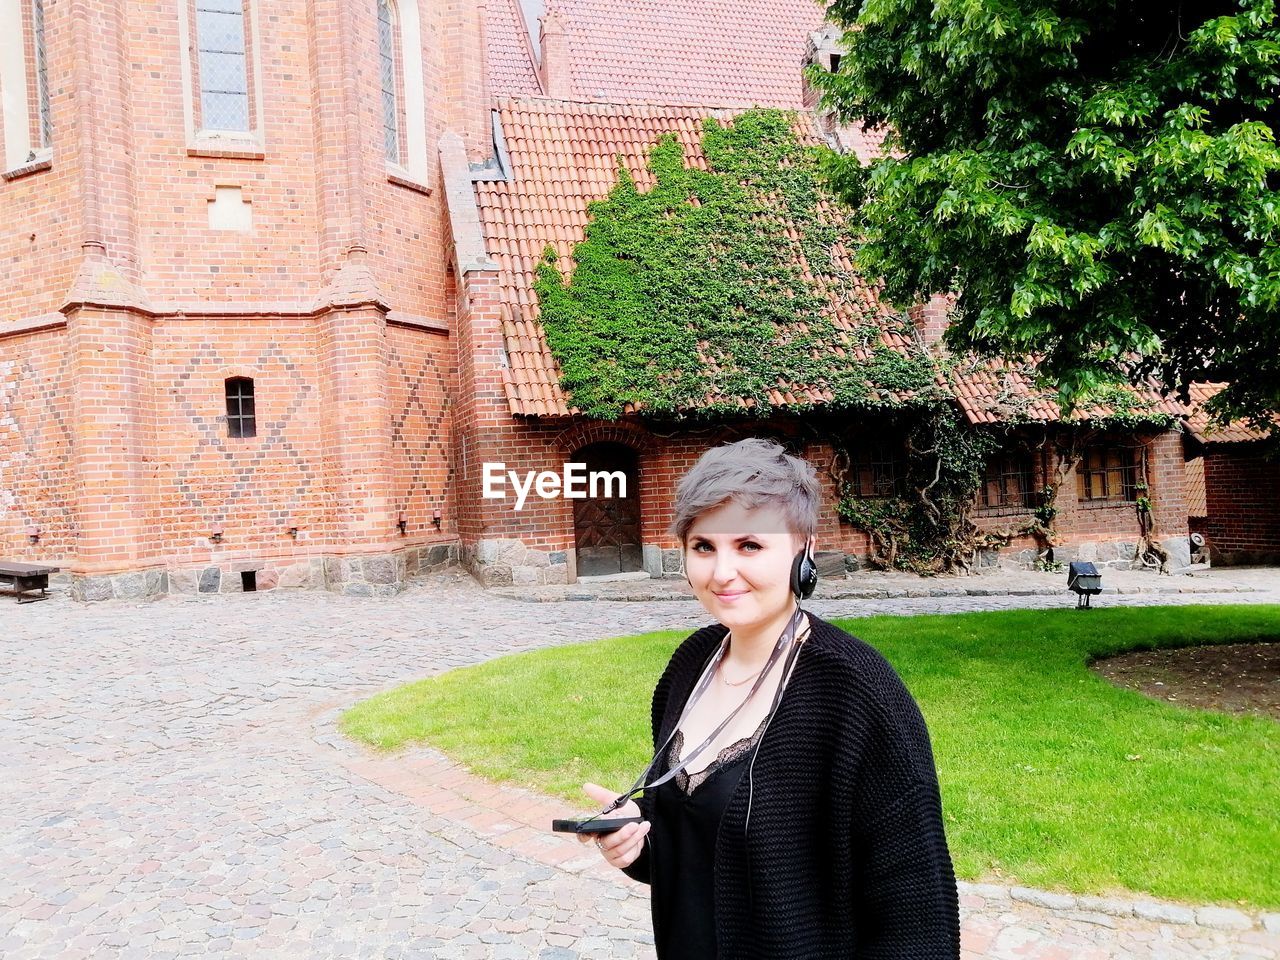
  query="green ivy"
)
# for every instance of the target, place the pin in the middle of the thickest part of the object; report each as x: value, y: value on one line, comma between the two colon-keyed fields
x: 926, y: 527
x: 1128, y: 408
x: 691, y: 294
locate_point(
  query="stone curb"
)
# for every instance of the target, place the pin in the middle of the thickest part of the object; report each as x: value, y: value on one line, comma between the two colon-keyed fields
x: 516, y: 820
x: 1101, y: 909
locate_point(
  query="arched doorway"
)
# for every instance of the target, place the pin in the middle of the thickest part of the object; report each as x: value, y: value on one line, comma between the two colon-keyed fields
x: 606, y: 529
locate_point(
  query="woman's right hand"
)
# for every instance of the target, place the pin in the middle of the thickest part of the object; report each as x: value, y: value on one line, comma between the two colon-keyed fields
x: 621, y: 847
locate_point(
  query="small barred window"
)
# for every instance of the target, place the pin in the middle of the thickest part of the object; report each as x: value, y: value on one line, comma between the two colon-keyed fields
x: 877, y: 470
x: 1111, y: 472
x: 1008, y: 483
x: 241, y: 419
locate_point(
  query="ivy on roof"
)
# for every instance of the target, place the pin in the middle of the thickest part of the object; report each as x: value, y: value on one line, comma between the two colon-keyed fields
x: 724, y: 283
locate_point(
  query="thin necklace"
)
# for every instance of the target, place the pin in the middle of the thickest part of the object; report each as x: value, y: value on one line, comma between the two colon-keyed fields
x: 736, y: 683
x: 739, y: 683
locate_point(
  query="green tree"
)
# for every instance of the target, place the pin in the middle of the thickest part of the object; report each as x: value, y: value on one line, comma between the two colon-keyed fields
x: 1098, y: 182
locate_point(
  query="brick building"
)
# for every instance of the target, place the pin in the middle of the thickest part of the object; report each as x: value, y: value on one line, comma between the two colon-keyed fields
x: 1234, y: 486
x: 267, y: 308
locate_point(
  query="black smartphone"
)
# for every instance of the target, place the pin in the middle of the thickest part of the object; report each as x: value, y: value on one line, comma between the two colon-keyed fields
x: 593, y: 826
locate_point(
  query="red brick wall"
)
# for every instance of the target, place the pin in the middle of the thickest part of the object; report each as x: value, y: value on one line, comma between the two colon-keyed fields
x: 257, y: 487
x: 421, y: 382
x: 40, y: 246
x: 354, y: 419
x: 35, y: 448
x: 1242, y: 491
x: 1080, y: 521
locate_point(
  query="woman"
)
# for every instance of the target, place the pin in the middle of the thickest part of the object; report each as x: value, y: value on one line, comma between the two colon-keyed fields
x: 810, y: 830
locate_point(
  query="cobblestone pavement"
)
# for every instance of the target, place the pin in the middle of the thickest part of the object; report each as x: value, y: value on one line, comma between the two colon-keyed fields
x: 170, y: 787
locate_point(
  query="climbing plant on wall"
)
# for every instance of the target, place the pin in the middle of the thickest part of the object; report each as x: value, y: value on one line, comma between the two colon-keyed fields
x: 926, y: 525
x: 722, y: 283
x: 733, y: 281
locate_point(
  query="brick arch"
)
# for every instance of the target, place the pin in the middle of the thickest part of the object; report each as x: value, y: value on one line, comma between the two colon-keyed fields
x: 574, y: 438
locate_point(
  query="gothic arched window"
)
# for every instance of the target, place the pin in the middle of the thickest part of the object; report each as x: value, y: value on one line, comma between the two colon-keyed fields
x: 390, y: 62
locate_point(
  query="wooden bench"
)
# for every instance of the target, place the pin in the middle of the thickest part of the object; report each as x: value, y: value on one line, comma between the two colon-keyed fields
x: 25, y: 578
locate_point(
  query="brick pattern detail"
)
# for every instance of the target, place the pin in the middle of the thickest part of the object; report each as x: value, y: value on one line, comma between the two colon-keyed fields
x: 930, y: 319
x: 255, y: 488
x: 420, y: 387
x: 35, y: 449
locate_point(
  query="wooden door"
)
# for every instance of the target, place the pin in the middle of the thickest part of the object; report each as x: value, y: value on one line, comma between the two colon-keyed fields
x: 607, y: 529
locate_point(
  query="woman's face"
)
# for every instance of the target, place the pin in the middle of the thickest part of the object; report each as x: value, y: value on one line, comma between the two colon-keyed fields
x: 739, y: 563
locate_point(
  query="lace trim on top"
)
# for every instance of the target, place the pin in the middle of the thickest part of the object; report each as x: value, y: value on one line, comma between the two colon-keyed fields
x: 735, y: 751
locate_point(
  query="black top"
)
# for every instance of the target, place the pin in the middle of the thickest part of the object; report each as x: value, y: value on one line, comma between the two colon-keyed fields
x: 845, y: 856
x: 686, y: 817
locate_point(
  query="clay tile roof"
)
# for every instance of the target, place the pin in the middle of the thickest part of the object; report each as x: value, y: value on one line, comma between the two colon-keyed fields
x: 993, y: 391
x: 1197, y: 504
x: 715, y: 52
x: 1204, y: 431
x: 563, y: 156
x: 509, y: 54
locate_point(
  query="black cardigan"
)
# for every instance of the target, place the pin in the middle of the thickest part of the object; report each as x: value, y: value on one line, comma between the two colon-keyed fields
x: 848, y: 856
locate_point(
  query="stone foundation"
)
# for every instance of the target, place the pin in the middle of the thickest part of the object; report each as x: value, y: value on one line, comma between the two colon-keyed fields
x: 1104, y: 554
x: 662, y: 562
x: 374, y: 575
x: 505, y: 563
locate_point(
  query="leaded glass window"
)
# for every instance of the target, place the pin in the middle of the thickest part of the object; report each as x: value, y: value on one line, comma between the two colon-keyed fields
x: 45, y: 116
x: 390, y: 90
x: 224, y: 71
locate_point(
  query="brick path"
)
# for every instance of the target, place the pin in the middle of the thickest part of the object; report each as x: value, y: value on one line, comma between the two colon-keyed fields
x: 171, y: 786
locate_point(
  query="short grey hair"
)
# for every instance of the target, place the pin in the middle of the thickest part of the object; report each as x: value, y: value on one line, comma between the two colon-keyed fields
x: 754, y: 472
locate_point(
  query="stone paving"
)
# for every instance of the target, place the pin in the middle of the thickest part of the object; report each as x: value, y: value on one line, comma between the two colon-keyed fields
x: 171, y: 786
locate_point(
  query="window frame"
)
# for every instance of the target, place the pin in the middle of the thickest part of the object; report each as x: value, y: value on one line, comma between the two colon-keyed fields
x: 1129, y: 468
x: 241, y: 425
x: 41, y: 106
x: 199, y: 64
x: 411, y: 167
x: 1021, y: 466
x: 883, y: 465
x: 390, y: 49
x: 28, y: 105
x: 202, y: 140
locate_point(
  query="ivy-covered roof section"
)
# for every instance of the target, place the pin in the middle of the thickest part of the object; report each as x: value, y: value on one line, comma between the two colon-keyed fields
x: 681, y: 261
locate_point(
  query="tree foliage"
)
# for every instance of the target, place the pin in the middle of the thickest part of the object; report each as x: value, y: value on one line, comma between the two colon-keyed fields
x: 1098, y: 182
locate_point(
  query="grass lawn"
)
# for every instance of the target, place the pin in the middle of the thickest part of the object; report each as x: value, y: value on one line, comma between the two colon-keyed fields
x: 1051, y: 777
